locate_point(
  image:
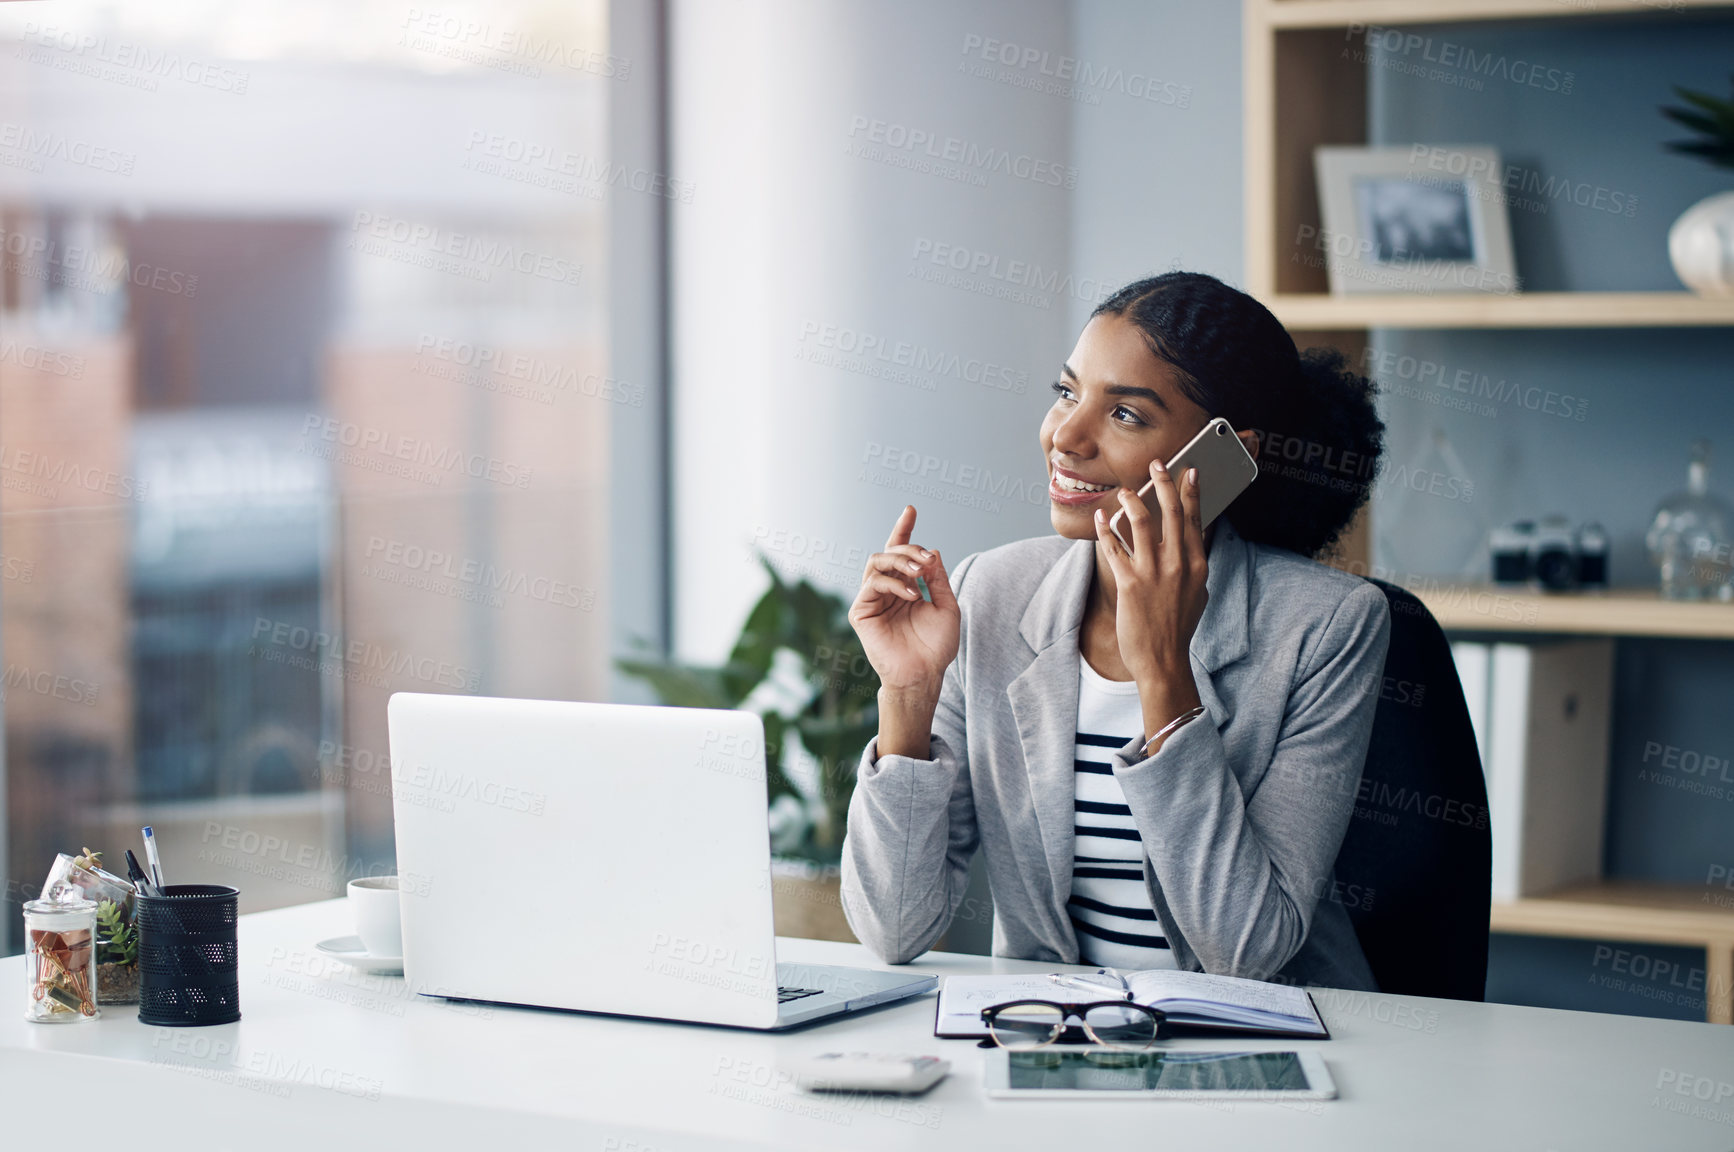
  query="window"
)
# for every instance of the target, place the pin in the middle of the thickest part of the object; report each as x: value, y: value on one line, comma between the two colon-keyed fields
x: 304, y: 400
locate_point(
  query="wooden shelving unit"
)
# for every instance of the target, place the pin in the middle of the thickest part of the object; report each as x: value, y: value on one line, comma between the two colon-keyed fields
x: 1640, y: 914
x: 1342, y: 13
x: 1622, y: 612
x: 1311, y: 311
x: 1302, y: 90
x: 1608, y: 909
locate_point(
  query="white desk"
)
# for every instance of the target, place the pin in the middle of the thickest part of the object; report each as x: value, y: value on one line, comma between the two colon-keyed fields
x: 324, y: 1057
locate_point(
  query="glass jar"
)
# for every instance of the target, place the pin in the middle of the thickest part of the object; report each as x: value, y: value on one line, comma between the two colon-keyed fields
x: 60, y: 961
x: 69, y: 879
x: 1691, y: 537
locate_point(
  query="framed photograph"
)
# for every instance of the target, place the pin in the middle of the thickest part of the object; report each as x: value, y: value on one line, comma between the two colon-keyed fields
x: 1420, y: 218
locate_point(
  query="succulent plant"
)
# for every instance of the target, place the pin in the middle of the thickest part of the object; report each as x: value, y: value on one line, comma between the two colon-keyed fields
x: 118, y: 938
x: 1712, y: 120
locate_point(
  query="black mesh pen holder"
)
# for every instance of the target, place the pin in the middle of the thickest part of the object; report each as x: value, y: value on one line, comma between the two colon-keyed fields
x: 189, y: 969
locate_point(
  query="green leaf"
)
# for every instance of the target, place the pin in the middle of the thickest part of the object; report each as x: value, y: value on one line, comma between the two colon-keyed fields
x: 1718, y: 155
x: 776, y: 783
x: 816, y: 614
x: 117, y: 937
x: 1712, y: 119
x: 1696, y: 121
x: 828, y: 729
x: 683, y: 686
x: 1722, y: 110
x: 759, y: 640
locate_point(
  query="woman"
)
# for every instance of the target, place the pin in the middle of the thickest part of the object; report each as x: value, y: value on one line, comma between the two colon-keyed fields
x: 1156, y: 751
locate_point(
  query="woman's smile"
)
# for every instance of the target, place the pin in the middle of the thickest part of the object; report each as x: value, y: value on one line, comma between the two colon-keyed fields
x: 1072, y: 490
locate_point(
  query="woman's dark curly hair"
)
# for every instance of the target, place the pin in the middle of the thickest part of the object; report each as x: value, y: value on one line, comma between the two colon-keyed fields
x: 1320, y: 437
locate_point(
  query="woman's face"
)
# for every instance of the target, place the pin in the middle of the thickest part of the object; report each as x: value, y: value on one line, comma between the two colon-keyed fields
x: 1116, y: 408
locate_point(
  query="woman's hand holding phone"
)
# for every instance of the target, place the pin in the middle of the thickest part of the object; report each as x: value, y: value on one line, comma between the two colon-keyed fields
x: 910, y: 641
x: 1159, y: 592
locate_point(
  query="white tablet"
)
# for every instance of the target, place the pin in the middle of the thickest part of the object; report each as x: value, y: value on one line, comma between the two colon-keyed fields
x: 1055, y: 1073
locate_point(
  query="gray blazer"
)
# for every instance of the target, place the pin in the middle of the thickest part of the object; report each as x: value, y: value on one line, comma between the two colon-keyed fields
x: 1241, y: 811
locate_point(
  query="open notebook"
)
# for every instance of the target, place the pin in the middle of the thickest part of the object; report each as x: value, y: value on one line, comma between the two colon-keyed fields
x: 1193, y: 1001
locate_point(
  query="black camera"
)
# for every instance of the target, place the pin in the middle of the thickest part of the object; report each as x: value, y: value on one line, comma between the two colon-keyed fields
x: 1550, y: 554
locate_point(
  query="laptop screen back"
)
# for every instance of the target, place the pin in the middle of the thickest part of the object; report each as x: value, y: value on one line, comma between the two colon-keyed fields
x: 602, y: 857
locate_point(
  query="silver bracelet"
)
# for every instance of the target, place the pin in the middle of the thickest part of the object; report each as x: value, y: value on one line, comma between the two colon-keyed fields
x: 1189, y: 714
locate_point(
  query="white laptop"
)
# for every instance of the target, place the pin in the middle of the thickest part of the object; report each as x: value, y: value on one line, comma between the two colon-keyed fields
x: 600, y: 858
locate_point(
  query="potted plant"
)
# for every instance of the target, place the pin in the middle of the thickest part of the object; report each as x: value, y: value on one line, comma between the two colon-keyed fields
x: 1701, y: 241
x: 116, y: 955
x: 800, y: 666
x: 116, y: 934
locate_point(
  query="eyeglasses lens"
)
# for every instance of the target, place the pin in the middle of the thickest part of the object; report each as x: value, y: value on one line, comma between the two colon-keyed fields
x: 1027, y: 1025
x: 1126, y: 1025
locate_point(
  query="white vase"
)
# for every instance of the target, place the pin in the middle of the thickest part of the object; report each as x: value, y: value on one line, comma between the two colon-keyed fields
x: 1701, y: 245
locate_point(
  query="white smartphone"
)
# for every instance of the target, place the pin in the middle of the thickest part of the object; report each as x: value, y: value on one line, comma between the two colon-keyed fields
x: 1055, y: 1073
x: 1225, y: 468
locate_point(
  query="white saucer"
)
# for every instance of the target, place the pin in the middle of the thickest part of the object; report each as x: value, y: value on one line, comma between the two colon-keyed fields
x: 349, y: 950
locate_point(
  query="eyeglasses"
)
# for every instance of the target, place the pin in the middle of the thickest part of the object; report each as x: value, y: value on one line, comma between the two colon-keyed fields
x: 1024, y: 1024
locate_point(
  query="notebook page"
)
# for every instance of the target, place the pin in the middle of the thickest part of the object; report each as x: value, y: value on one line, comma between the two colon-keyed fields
x: 961, y: 998
x: 1156, y: 985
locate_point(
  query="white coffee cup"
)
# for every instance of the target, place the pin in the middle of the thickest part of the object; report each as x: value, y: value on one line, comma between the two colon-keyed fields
x: 378, y: 917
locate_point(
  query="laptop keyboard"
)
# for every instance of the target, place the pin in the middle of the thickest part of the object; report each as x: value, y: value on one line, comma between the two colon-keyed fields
x: 784, y: 995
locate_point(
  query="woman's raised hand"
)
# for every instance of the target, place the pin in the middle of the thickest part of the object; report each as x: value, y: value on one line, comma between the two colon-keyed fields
x: 909, y: 641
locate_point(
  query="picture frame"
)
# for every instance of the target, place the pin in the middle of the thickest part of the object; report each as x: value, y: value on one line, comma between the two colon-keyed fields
x: 1419, y: 218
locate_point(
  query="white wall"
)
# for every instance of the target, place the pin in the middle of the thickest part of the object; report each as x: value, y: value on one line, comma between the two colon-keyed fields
x: 1159, y: 177
x: 787, y: 231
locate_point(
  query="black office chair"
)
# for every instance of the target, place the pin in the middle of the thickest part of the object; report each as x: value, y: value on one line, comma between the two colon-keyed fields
x: 1416, y: 865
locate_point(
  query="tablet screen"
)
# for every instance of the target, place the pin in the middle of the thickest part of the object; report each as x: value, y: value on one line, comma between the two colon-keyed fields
x: 1096, y: 1070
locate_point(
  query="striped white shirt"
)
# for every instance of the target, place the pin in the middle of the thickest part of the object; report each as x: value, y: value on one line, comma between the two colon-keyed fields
x: 1110, y: 908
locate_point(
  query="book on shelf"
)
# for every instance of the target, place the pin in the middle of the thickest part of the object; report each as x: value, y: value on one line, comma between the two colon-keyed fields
x: 1541, y: 714
x: 1474, y: 670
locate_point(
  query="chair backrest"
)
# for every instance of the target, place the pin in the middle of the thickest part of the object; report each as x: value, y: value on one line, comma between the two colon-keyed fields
x: 1415, y: 869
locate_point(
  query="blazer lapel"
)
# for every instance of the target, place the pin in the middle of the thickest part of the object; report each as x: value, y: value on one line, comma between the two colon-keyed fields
x: 1044, y: 697
x: 1044, y: 703
x: 1221, y: 636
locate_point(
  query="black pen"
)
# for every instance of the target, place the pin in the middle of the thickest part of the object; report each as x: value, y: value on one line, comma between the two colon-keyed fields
x: 137, y: 876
